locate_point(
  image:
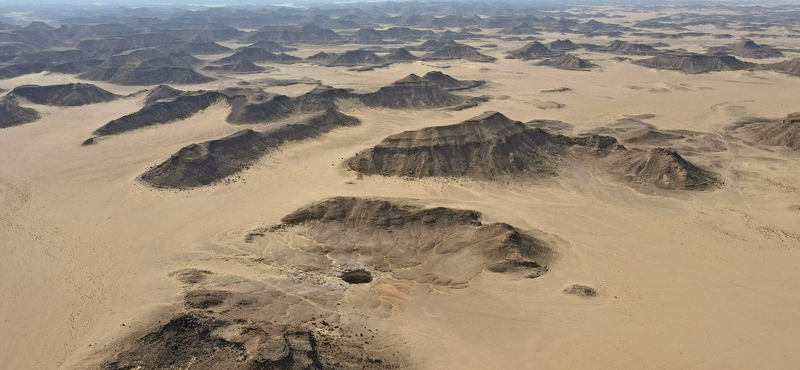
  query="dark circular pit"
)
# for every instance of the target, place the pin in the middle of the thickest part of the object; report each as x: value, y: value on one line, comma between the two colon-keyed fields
x: 356, y: 277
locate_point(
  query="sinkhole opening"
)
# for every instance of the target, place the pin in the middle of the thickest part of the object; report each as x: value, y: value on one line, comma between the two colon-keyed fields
x: 356, y: 276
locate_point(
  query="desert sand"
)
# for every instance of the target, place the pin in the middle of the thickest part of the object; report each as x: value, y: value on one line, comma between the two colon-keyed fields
x: 94, y: 258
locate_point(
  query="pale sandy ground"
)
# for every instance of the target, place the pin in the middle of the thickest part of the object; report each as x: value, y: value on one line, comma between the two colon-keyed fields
x: 686, y: 280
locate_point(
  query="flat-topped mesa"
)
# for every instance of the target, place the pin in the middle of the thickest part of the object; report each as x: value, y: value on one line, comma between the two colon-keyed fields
x: 211, y: 161
x: 73, y: 94
x: 255, y: 54
x: 563, y: 45
x: 349, y: 227
x: 695, y: 63
x: 666, y: 169
x: 243, y: 66
x: 415, y: 92
x: 150, y: 66
x: 453, y: 50
x: 12, y: 114
x: 629, y: 48
x: 785, y: 132
x: 352, y: 58
x: 484, y: 147
x: 270, y: 46
x: 278, y: 107
x: 567, y: 62
x: 747, y: 48
x: 533, y: 50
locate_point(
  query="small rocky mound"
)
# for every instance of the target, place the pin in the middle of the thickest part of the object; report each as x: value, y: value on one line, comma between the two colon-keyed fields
x: 568, y: 62
x: 197, y: 340
x: 453, y: 50
x: 534, y: 50
x: 68, y: 95
x: 629, y: 48
x: 580, y: 291
x: 665, y: 169
x: 12, y: 114
x: 441, y: 246
x: 205, y: 163
x: 785, y: 133
x: 414, y: 92
x: 244, y: 66
x: 400, y: 55
x: 485, y: 147
x: 748, y: 49
x: 695, y: 63
x: 162, y: 111
x: 789, y: 67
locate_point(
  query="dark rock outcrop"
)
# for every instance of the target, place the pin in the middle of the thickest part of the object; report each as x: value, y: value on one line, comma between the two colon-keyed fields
x: 695, y: 63
x: 568, y: 62
x: 73, y: 94
x: 162, y: 111
x: 12, y: 114
x: 211, y: 161
x: 534, y: 50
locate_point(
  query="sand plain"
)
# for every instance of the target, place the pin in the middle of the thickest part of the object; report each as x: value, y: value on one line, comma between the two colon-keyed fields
x: 685, y: 280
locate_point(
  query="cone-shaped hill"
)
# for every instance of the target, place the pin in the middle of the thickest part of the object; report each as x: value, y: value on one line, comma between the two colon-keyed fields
x: 491, y: 146
x: 211, y: 161
x: 73, y: 94
x: 400, y: 55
